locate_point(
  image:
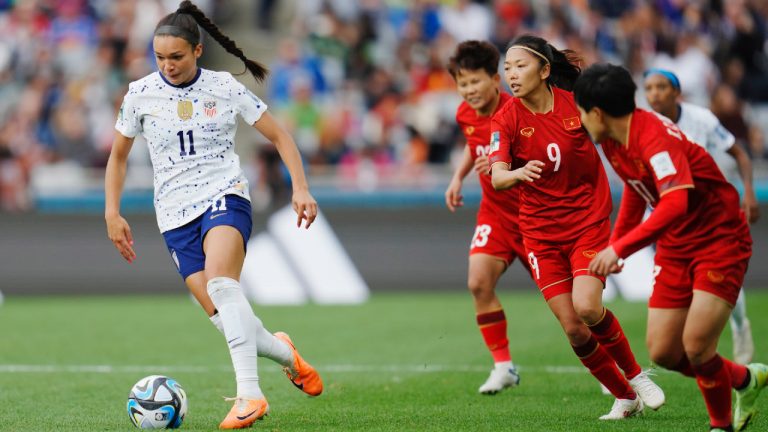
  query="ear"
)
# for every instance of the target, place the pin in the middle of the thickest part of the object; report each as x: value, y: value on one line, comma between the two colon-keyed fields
x: 198, y: 50
x: 497, y: 79
x: 545, y: 71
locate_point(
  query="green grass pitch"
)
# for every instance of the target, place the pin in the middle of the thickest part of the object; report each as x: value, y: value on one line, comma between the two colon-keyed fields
x: 400, y: 362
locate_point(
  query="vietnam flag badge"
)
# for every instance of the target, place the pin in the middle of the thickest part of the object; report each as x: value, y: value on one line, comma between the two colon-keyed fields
x: 572, y: 123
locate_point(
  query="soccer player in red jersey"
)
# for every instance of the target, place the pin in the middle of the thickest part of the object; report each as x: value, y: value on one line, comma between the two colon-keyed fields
x: 497, y: 241
x: 703, y: 244
x: 539, y: 147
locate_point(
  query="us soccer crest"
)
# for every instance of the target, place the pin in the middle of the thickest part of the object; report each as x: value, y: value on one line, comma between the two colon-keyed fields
x: 185, y: 109
x: 209, y: 107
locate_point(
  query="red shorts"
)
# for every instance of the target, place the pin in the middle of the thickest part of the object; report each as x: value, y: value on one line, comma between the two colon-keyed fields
x: 496, y: 238
x: 554, y: 265
x: 718, y: 270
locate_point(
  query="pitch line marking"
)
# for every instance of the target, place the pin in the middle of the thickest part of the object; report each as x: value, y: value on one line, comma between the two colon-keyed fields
x: 331, y: 368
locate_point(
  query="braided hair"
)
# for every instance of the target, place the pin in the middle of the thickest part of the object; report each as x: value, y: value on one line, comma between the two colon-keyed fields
x: 184, y: 24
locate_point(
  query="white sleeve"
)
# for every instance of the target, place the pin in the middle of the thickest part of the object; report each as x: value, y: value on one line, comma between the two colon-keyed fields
x: 128, y: 121
x: 718, y: 137
x: 247, y: 104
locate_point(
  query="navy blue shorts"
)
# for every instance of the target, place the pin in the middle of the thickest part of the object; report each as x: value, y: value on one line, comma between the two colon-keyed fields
x: 185, y: 243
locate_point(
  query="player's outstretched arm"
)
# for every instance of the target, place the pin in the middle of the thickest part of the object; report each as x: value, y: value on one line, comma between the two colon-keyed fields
x: 750, y: 204
x: 453, y: 197
x: 502, y: 178
x: 302, y: 201
x: 117, y: 227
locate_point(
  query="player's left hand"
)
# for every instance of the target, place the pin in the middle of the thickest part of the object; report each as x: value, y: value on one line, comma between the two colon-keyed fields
x: 605, y: 262
x: 305, y: 207
x: 481, y: 165
x: 751, y: 208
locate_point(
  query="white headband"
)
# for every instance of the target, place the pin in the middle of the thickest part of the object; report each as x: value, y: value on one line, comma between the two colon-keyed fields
x: 531, y: 50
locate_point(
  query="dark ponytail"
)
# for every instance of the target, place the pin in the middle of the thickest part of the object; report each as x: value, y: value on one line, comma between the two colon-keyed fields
x: 564, y: 65
x: 183, y: 23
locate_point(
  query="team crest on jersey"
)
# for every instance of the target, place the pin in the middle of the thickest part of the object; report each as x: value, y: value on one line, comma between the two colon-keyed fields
x: 185, y: 109
x: 209, y: 107
x: 495, y: 141
x: 469, y: 130
x: 715, y: 276
x: 572, y: 123
x: 589, y: 253
x: 527, y: 132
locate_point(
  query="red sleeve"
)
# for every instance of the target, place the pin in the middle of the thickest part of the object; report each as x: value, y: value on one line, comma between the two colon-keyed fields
x: 631, y: 212
x: 665, y: 155
x: 500, y: 139
x: 671, y: 207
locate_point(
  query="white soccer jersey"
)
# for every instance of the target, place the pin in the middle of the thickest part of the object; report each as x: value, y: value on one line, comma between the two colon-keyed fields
x: 701, y: 126
x: 190, y: 131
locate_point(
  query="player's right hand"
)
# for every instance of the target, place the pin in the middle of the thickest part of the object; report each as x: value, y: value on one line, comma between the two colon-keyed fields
x: 120, y: 234
x: 481, y: 165
x: 530, y: 172
x: 453, y: 196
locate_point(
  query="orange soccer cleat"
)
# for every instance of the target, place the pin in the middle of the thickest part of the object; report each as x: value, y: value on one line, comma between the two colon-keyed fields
x: 301, y: 374
x: 244, y: 413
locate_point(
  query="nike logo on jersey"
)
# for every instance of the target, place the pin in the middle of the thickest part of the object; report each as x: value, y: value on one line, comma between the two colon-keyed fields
x: 216, y: 215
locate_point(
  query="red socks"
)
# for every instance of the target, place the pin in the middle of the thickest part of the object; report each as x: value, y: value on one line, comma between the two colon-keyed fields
x: 603, y: 367
x: 493, y: 326
x: 609, y: 334
x: 714, y: 380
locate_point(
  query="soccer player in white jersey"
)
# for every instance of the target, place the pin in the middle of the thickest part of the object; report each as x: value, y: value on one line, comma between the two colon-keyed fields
x: 662, y: 90
x: 188, y: 116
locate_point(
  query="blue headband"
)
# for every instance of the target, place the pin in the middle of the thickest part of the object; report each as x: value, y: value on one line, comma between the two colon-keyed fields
x: 666, y: 74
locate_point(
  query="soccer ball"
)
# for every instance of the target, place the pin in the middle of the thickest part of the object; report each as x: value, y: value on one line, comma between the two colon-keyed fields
x: 157, y: 402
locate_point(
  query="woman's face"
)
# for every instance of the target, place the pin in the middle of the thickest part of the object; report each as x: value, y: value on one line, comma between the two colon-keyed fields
x: 176, y: 58
x: 524, y: 72
x: 477, y: 88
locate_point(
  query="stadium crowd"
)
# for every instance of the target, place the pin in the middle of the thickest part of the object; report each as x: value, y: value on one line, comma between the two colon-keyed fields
x: 362, y: 85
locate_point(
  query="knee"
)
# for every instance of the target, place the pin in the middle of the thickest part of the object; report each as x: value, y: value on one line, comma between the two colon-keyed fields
x: 480, y: 287
x: 587, y: 311
x: 697, y: 350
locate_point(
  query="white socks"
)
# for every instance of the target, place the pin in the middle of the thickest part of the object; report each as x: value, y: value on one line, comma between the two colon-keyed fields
x: 268, y: 345
x: 739, y: 312
x: 238, y: 322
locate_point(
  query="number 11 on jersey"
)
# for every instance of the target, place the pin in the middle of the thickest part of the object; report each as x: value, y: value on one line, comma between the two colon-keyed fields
x: 191, y: 143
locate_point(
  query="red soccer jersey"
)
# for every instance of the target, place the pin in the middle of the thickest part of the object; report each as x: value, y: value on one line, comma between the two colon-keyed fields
x: 572, y: 192
x: 477, y: 131
x: 659, y: 159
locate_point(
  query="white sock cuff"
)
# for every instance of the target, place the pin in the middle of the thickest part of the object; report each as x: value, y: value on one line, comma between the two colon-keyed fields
x: 219, y: 283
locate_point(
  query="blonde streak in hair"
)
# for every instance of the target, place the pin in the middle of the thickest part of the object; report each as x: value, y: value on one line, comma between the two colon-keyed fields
x: 531, y: 50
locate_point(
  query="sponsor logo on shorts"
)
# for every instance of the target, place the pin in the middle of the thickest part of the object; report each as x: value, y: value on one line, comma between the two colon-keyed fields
x: 527, y: 132
x: 175, y: 259
x: 715, y: 276
x: 589, y: 253
x: 216, y: 215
